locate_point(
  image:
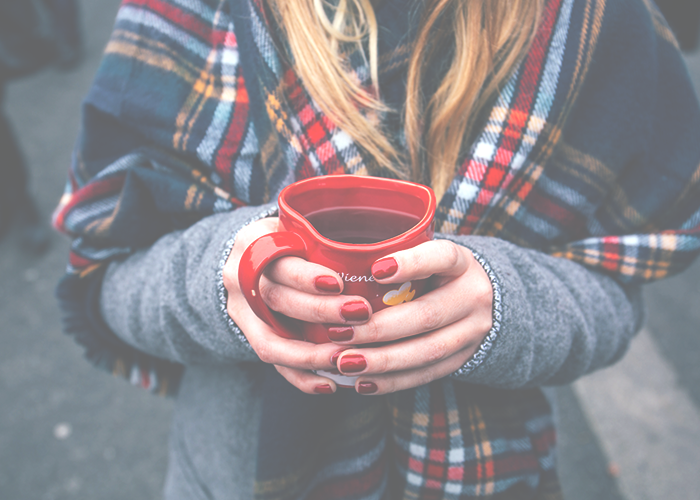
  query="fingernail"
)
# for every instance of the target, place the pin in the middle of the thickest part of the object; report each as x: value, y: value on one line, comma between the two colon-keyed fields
x: 366, y: 388
x: 355, y: 311
x: 324, y: 389
x: 327, y: 284
x: 340, y: 334
x: 384, y: 268
x: 352, y: 363
x: 334, y: 358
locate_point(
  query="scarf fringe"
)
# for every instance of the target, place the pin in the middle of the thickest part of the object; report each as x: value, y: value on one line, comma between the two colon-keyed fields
x: 79, y: 301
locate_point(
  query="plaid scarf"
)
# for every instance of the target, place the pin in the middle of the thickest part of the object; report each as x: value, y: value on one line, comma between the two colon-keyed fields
x: 232, y: 125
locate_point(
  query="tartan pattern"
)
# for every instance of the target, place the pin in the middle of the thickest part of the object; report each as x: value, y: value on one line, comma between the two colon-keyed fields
x: 591, y: 214
x: 322, y: 147
x: 453, y: 451
x: 235, y: 125
x: 446, y: 440
x: 514, y: 125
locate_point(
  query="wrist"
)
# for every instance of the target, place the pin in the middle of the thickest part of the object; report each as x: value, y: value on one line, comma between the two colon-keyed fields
x: 496, y: 314
x: 222, y: 291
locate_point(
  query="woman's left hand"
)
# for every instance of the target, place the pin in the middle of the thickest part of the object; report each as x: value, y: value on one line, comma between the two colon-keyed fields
x: 429, y: 337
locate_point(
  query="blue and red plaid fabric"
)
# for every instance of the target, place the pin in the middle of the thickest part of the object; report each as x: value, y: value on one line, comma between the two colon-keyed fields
x: 590, y: 152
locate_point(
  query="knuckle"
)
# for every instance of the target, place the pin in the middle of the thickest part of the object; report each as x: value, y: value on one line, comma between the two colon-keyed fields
x: 370, y: 332
x: 452, y: 254
x: 250, y: 232
x: 416, y: 263
x: 310, y: 360
x: 293, y: 266
x: 271, y: 295
x: 264, y: 353
x: 270, y: 224
x: 319, y: 309
x: 436, y: 351
x: 230, y: 278
x: 244, y: 237
x: 387, y: 387
x: 277, y: 268
x: 484, y: 290
x: 429, y: 316
x: 287, y: 270
x: 380, y: 363
x: 425, y: 377
x: 232, y: 309
x: 485, y: 323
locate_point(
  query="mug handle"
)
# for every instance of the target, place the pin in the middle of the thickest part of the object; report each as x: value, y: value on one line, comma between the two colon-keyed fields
x: 254, y: 260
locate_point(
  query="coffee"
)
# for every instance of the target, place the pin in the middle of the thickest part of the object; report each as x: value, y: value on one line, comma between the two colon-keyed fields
x: 361, y: 225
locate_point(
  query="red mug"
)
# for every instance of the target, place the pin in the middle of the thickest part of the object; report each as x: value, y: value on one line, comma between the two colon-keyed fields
x: 345, y: 223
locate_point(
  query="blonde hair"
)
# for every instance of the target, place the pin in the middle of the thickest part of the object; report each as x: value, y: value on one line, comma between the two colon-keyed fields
x: 486, y: 37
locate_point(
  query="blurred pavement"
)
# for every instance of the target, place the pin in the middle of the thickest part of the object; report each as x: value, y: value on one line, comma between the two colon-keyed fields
x: 68, y: 431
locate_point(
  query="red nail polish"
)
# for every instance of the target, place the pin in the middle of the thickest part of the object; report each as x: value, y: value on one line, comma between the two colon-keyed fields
x: 367, y: 388
x: 352, y: 363
x: 340, y: 334
x: 384, y: 268
x: 323, y: 389
x: 355, y: 311
x: 327, y: 284
x: 334, y: 358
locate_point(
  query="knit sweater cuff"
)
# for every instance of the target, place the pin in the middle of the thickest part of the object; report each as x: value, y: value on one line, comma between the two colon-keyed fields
x: 269, y: 211
x: 492, y: 335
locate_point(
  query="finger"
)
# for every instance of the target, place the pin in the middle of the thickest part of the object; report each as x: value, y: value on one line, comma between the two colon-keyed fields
x: 273, y: 349
x: 400, y: 381
x: 415, y: 353
x: 448, y: 304
x: 251, y: 232
x: 436, y: 257
x: 244, y: 238
x: 305, y: 276
x: 306, y: 381
x: 336, y: 309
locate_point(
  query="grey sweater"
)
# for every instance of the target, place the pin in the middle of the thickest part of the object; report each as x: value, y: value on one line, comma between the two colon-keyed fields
x: 554, y: 321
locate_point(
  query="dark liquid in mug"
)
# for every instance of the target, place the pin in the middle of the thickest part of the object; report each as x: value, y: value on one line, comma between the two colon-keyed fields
x: 361, y: 225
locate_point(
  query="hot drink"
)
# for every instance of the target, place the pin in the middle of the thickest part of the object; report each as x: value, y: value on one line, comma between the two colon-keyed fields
x: 361, y: 225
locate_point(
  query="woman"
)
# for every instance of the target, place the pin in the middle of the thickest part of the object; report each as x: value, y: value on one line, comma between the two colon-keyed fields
x: 560, y: 137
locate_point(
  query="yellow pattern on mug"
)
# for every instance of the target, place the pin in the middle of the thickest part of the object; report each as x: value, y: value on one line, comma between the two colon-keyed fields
x: 403, y: 294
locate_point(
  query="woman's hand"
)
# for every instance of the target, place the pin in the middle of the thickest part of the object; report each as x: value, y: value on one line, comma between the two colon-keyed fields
x: 430, y: 337
x: 426, y: 339
x: 298, y: 289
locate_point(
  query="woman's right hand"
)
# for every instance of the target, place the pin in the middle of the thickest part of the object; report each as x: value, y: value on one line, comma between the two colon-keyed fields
x: 298, y: 289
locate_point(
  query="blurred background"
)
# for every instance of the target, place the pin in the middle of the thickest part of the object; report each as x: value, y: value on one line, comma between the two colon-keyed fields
x: 69, y: 431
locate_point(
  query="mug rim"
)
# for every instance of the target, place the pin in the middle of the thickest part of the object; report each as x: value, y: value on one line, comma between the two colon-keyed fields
x: 350, y: 181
